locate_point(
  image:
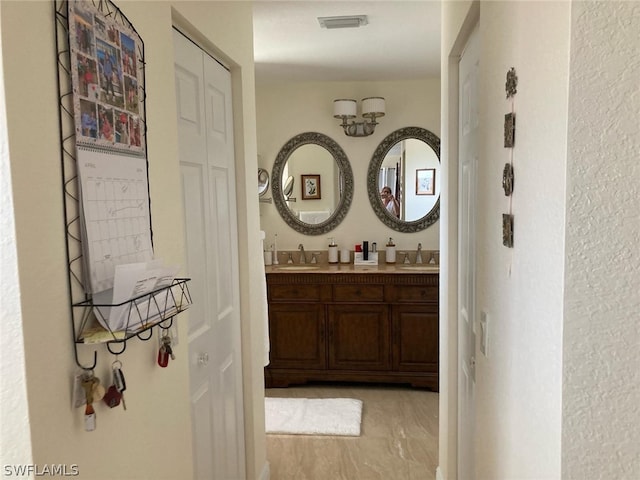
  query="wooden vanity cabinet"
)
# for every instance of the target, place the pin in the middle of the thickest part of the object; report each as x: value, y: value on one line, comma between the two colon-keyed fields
x: 353, y: 327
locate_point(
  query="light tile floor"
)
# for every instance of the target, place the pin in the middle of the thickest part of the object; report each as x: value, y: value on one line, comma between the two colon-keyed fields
x: 399, y: 438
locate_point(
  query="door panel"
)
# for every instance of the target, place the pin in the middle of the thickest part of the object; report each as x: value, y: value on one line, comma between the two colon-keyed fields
x: 359, y: 337
x: 203, y: 92
x: 297, y: 336
x: 468, y: 150
x: 415, y: 329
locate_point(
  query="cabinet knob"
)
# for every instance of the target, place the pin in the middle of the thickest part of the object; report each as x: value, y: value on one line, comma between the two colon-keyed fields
x: 203, y: 359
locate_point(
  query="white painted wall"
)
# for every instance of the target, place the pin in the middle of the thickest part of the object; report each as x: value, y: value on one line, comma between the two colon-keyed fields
x: 15, y: 434
x: 518, y: 390
x: 601, y: 367
x: 519, y: 383
x: 557, y: 394
x: 152, y: 439
x: 286, y: 110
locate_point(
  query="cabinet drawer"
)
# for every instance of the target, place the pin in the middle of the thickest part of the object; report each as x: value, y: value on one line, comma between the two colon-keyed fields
x: 416, y: 293
x: 358, y: 293
x: 294, y: 292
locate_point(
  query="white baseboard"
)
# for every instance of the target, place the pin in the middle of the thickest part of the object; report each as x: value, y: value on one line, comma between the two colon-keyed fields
x: 439, y: 474
x: 266, y: 472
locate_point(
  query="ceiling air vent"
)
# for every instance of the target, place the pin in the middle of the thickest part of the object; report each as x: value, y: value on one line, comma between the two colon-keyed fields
x: 352, y: 21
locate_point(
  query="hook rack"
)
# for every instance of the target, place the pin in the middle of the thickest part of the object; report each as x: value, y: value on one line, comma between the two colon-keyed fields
x: 139, y: 335
x: 124, y: 347
x: 167, y: 302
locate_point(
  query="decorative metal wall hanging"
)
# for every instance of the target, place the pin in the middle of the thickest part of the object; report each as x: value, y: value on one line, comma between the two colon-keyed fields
x: 509, y: 130
x: 509, y: 142
x: 507, y: 230
x: 512, y: 83
x: 507, y: 179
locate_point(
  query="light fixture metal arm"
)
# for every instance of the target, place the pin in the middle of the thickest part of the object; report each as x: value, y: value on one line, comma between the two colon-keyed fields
x: 358, y: 129
x: 346, y: 109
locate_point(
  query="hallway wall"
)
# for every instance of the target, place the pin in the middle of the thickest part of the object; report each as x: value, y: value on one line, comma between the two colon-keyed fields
x: 601, y: 365
x: 557, y: 392
x: 518, y: 383
x: 152, y: 439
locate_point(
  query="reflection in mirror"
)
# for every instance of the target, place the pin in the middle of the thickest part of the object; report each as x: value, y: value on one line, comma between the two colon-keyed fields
x: 325, y: 165
x: 287, y: 189
x: 263, y: 181
x: 411, y: 172
x: 403, y: 180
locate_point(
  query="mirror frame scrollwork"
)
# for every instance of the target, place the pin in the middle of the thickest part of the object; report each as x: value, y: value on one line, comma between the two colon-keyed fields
x: 373, y: 190
x: 346, y: 188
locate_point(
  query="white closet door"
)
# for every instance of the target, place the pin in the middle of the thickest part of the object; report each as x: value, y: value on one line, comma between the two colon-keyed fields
x: 203, y: 91
x: 468, y: 148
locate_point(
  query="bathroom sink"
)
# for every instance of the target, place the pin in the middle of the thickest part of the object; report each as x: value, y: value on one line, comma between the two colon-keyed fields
x: 298, y: 267
x: 420, y: 268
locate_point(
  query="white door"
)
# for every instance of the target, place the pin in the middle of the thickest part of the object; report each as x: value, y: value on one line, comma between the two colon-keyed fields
x: 203, y: 91
x: 468, y: 152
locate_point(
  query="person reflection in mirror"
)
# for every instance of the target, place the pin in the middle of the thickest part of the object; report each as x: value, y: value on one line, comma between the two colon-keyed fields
x: 390, y: 202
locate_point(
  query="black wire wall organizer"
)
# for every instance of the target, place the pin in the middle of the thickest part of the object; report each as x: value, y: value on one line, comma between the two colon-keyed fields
x: 142, y: 313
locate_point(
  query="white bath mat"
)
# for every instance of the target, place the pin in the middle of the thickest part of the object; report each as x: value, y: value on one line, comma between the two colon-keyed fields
x: 313, y: 416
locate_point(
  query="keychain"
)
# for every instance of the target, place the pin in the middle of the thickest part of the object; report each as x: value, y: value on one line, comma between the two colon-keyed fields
x: 165, y: 351
x: 89, y: 385
x: 115, y: 395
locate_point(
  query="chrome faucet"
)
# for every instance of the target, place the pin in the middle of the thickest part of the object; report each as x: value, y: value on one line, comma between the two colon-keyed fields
x: 303, y: 258
x: 419, y: 254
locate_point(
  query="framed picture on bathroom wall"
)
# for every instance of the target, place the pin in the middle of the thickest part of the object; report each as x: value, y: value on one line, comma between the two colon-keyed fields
x: 426, y: 181
x: 311, y: 187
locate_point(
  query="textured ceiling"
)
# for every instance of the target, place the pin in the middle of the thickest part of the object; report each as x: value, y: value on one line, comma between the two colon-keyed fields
x: 401, y: 41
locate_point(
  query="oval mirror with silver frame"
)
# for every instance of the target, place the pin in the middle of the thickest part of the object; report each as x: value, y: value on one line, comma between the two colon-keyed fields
x: 411, y: 169
x: 316, y: 155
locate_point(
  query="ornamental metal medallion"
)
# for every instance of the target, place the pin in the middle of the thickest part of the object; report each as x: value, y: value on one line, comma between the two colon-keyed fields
x: 512, y: 83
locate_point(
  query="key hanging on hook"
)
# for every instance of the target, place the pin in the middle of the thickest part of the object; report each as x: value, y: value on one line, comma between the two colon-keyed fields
x: 164, y: 352
x: 89, y: 384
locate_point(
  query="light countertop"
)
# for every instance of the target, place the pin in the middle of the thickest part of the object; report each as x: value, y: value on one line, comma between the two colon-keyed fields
x: 347, y: 268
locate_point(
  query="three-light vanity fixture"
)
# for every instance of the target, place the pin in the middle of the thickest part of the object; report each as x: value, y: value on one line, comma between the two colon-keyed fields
x: 346, y: 109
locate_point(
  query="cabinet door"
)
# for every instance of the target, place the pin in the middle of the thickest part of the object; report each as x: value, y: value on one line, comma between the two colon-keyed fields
x: 359, y: 337
x: 415, y: 338
x: 297, y: 336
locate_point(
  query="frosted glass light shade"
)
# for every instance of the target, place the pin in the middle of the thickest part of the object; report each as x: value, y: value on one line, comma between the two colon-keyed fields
x: 344, y: 108
x: 373, y: 107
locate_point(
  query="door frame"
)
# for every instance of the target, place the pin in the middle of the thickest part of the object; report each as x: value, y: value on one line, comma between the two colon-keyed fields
x: 448, y: 403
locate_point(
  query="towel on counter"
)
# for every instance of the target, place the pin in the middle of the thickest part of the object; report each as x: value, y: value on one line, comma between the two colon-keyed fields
x: 314, y: 217
x: 264, y: 307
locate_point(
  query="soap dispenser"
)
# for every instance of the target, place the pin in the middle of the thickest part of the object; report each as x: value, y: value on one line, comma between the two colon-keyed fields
x: 333, y: 251
x: 390, y: 251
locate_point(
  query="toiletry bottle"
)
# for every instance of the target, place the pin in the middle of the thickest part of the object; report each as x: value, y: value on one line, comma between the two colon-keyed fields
x: 275, y: 250
x: 333, y: 251
x: 391, y: 251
